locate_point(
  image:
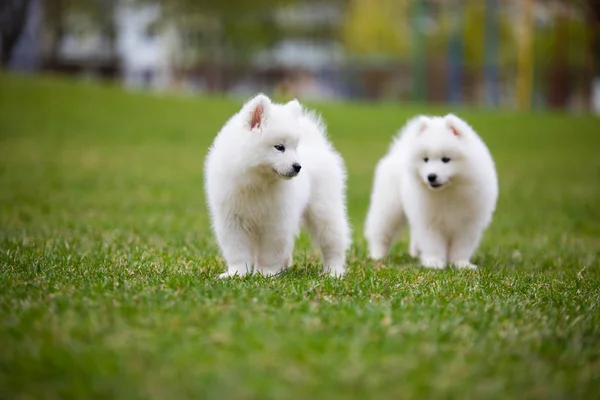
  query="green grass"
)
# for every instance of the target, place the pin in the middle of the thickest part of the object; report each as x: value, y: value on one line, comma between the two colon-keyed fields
x: 108, y: 268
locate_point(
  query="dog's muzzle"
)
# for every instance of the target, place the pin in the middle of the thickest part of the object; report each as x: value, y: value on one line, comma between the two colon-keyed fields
x: 289, y: 174
x: 292, y: 172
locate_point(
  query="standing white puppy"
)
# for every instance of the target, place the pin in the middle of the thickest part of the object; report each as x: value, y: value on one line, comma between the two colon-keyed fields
x: 270, y: 168
x: 440, y: 176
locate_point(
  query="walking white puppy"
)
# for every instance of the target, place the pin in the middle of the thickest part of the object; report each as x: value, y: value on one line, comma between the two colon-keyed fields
x: 440, y: 177
x: 270, y: 168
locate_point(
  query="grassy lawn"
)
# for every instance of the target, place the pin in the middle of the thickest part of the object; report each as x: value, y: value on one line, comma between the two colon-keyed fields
x: 108, y: 267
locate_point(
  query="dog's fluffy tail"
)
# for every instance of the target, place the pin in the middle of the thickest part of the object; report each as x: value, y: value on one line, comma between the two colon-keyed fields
x: 385, y: 218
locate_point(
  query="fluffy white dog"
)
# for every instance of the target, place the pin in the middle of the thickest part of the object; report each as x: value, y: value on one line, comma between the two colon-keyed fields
x: 269, y: 169
x: 440, y: 176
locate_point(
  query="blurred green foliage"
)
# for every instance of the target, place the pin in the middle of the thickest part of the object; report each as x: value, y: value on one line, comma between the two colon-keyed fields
x: 231, y: 31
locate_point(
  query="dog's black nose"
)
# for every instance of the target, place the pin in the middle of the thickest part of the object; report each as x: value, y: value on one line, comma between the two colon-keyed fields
x: 431, y: 177
x: 297, y: 167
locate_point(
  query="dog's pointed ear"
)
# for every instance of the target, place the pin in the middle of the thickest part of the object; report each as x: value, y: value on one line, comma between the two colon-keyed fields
x: 295, y: 107
x: 422, y: 124
x: 454, y: 124
x: 257, y: 111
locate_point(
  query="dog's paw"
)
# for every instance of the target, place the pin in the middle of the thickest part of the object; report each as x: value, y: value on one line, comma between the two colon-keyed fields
x: 413, y: 249
x: 228, y: 274
x: 235, y: 271
x: 270, y: 270
x: 377, y: 252
x: 465, y: 264
x: 433, y: 263
x: 289, y: 262
x: 376, y: 256
x: 413, y: 252
x: 266, y: 272
x: 336, y: 272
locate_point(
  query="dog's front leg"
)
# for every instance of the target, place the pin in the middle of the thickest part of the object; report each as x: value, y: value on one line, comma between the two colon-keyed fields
x: 433, y: 248
x: 413, y: 249
x: 462, y: 247
x: 274, y: 252
x: 236, y: 247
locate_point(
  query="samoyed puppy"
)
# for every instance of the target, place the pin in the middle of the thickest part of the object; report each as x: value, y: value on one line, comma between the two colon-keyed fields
x: 439, y: 177
x: 270, y: 169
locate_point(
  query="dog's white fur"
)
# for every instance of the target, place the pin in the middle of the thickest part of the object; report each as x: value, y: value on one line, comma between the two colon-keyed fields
x: 446, y: 222
x: 257, y: 200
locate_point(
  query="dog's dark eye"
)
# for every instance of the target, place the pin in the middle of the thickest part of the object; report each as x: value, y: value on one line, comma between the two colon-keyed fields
x: 445, y: 159
x: 426, y: 159
x: 280, y: 148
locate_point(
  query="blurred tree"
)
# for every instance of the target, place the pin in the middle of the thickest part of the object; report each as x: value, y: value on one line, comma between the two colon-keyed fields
x: 559, y: 80
x: 474, y: 32
x: 491, y: 49
x: 419, y: 50
x: 525, y: 59
x: 474, y: 37
x: 454, y: 64
x: 99, y: 13
x: 230, y: 7
x: 226, y: 32
x: 13, y: 17
x: 378, y: 28
x: 232, y: 29
x: 592, y: 11
x: 562, y: 46
x: 477, y: 37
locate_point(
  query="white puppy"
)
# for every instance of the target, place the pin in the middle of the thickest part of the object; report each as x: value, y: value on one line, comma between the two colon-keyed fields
x: 440, y: 176
x: 270, y: 168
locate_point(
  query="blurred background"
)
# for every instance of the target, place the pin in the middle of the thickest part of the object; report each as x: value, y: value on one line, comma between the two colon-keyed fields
x: 519, y: 54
